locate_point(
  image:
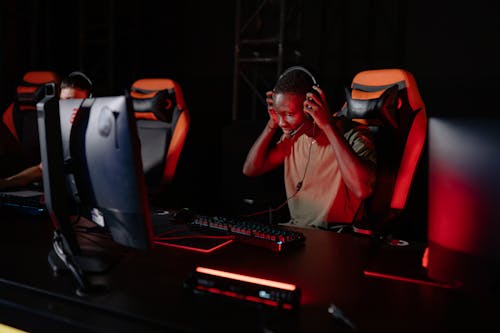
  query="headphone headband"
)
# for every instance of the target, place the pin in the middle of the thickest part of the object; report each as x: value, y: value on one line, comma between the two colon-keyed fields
x: 81, y: 74
x: 300, y: 68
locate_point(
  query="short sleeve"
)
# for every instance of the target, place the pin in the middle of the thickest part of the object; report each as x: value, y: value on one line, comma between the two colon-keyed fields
x: 361, y: 141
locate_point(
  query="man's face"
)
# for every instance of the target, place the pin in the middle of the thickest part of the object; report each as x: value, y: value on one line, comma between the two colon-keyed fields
x: 290, y: 111
x: 69, y: 92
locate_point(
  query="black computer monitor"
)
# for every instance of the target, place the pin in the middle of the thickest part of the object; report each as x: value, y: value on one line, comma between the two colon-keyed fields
x: 98, y: 147
x: 463, y: 201
x: 68, y: 109
x: 107, y: 167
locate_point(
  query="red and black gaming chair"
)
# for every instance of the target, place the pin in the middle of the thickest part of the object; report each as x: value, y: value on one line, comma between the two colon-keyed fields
x: 163, y: 123
x: 20, y: 117
x: 389, y: 102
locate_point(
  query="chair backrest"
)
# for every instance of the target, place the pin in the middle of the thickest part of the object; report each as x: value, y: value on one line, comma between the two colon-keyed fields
x: 20, y: 117
x: 389, y: 102
x: 163, y: 123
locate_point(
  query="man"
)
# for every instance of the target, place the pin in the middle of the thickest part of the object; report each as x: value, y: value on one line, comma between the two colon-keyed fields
x: 75, y: 85
x: 329, y: 162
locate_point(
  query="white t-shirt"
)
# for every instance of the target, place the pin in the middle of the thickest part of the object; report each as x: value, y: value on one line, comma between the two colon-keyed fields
x: 323, y: 198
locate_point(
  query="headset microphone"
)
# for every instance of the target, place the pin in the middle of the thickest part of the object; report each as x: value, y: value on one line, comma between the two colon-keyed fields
x: 295, y: 130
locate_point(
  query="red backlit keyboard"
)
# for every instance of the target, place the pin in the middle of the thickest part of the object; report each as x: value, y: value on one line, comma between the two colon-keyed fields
x: 271, y: 237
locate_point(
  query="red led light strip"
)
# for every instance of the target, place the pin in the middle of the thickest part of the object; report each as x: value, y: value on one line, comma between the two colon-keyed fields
x: 246, y: 278
x: 407, y: 279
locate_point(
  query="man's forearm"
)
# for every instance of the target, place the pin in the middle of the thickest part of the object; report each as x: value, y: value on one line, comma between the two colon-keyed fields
x: 255, y: 162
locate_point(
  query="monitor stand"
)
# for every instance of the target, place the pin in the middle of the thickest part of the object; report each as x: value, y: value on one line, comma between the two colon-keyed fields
x: 87, y: 262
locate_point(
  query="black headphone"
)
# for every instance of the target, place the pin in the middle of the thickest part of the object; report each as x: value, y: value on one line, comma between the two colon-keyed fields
x: 313, y: 79
x: 81, y: 74
x: 299, y: 68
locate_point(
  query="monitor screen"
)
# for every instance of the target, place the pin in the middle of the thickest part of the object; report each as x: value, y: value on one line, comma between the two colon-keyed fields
x: 463, y: 200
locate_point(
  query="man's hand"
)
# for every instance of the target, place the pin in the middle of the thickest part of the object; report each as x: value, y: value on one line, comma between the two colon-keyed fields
x: 316, y: 106
x: 273, y: 117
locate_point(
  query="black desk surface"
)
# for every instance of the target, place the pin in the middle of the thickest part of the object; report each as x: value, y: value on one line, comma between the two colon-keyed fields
x: 146, y: 291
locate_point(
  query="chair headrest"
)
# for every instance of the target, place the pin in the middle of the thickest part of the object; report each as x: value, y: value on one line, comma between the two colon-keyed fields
x: 382, y: 96
x: 378, y: 78
x: 377, y: 110
x: 156, y: 99
x: 31, y: 88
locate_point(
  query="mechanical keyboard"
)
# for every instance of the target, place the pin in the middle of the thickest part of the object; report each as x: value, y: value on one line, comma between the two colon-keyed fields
x: 271, y: 237
x: 26, y: 201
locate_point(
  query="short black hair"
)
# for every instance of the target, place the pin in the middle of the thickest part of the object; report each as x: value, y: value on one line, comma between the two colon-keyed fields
x: 294, y: 81
x: 77, y: 80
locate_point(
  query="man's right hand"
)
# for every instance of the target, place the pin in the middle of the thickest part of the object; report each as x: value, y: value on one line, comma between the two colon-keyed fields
x: 273, y: 117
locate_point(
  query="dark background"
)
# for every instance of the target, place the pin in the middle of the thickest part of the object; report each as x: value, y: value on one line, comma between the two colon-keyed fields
x: 450, y: 47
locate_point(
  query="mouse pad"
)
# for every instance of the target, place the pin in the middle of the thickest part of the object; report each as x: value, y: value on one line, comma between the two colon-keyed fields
x: 177, y: 235
x: 402, y: 261
x: 196, y: 243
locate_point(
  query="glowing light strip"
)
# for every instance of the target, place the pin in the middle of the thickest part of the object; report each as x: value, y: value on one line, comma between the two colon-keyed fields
x: 408, y: 279
x: 245, y: 278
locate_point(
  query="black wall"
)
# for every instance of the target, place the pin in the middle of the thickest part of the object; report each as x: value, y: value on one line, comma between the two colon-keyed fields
x: 449, y: 47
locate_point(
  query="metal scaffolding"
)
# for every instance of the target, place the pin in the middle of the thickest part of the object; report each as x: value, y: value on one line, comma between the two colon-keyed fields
x: 265, y: 36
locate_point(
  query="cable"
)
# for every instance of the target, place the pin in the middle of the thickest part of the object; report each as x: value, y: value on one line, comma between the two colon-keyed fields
x: 97, y: 242
x: 297, y: 187
x: 339, y: 315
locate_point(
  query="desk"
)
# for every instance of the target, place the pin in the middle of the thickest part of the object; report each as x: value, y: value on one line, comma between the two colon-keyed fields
x: 146, y: 293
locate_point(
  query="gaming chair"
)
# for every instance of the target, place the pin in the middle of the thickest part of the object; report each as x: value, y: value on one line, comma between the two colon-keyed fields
x: 20, y: 117
x: 163, y: 123
x: 389, y: 102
